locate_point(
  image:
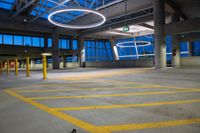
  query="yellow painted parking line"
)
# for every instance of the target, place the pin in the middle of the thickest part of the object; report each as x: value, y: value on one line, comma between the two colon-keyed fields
x: 137, y: 83
x: 104, y: 129
x: 82, y: 124
x: 113, y: 95
x: 107, y: 88
x: 128, y: 105
x: 50, y: 85
x: 151, y: 125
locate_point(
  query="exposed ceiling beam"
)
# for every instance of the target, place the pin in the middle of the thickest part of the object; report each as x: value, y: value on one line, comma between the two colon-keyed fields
x: 30, y: 9
x: 62, y: 3
x: 24, y: 7
x: 172, y: 4
x: 147, y: 26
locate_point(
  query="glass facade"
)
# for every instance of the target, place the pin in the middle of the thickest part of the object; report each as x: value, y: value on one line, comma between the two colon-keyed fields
x: 64, y: 44
x: 133, y: 51
x: 20, y: 40
x: 98, y: 50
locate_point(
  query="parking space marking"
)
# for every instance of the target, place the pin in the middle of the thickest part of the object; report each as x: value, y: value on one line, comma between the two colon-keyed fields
x: 127, y: 105
x: 107, y: 88
x: 110, y: 128
x: 113, y: 95
x: 161, y: 124
x: 82, y: 124
x: 137, y: 83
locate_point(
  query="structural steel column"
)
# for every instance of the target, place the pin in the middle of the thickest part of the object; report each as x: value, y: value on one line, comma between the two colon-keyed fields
x: 175, y: 45
x: 159, y: 22
x: 27, y: 67
x: 114, y: 49
x: 80, y: 51
x: 16, y: 67
x: 55, y: 50
x: 44, y: 60
x: 8, y: 67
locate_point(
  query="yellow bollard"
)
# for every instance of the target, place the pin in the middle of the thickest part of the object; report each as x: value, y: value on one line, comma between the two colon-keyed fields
x: 27, y: 67
x: 16, y: 67
x: 8, y: 67
x: 1, y: 67
x: 44, y: 60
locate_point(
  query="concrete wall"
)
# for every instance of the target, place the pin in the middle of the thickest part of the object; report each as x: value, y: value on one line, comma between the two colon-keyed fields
x: 121, y: 63
x: 72, y: 65
x: 190, y: 61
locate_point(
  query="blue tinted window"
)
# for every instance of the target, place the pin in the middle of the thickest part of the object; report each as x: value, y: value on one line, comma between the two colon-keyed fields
x: 41, y: 42
x: 97, y: 50
x: 18, y: 40
x: 36, y: 41
x: 8, y: 39
x: 27, y: 41
x: 63, y: 44
x: 49, y: 42
x: 75, y: 45
x: 184, y: 49
x: 1, y: 41
x: 68, y: 44
x: 196, y: 48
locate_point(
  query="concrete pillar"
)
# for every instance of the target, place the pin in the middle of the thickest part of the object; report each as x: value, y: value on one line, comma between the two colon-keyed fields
x: 190, y: 52
x: 81, y: 54
x: 114, y: 49
x: 175, y: 45
x: 159, y: 22
x: 55, y: 50
x: 64, y: 61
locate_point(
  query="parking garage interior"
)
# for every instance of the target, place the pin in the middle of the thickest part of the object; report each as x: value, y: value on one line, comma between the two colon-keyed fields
x: 99, y: 66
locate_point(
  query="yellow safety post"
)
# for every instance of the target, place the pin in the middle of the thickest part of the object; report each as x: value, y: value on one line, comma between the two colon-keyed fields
x: 8, y: 67
x: 44, y: 60
x: 1, y: 67
x: 27, y: 67
x: 16, y: 67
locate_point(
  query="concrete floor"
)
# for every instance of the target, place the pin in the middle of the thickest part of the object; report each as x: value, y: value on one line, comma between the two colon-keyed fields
x: 101, y: 101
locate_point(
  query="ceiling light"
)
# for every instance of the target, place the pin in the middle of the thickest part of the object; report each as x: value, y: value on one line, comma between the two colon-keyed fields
x: 77, y: 26
x: 123, y: 44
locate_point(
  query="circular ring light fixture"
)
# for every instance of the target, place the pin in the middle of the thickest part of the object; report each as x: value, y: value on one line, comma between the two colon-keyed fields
x: 77, y: 26
x: 123, y: 44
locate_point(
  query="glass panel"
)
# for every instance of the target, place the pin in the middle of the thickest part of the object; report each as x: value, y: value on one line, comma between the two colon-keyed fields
x: 8, y: 39
x: 1, y: 41
x: 27, y: 41
x: 18, y: 40
x: 196, y: 48
x: 49, y: 42
x: 75, y: 45
x: 63, y: 44
x: 41, y: 42
x: 36, y: 41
